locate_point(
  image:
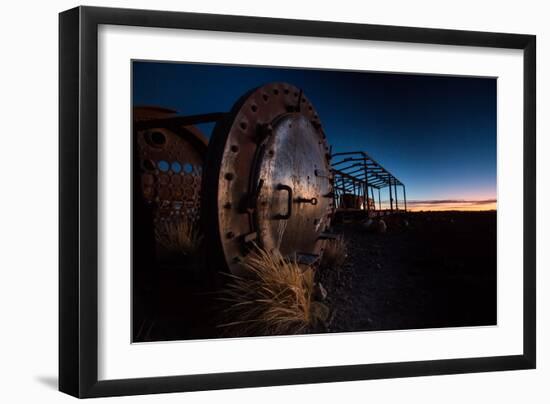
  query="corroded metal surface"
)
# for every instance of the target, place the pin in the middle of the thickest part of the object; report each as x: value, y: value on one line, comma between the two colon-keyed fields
x: 169, y: 160
x: 268, y: 177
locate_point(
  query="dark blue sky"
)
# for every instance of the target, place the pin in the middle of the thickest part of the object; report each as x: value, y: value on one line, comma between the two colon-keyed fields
x: 437, y: 134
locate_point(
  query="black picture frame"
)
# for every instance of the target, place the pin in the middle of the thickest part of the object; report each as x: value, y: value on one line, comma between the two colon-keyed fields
x: 78, y: 201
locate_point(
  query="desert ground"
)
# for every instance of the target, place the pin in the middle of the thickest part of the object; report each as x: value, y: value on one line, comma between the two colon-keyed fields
x: 433, y: 269
x: 427, y: 270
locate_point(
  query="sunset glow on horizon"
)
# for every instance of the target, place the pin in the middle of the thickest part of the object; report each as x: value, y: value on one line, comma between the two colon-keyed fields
x: 450, y: 205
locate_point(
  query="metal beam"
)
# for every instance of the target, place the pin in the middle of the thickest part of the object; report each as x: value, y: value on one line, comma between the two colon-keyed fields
x: 179, y: 121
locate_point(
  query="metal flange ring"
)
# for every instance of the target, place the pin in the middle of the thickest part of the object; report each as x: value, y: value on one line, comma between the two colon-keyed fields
x: 261, y: 158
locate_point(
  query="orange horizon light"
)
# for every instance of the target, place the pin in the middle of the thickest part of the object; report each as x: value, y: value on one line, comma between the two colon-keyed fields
x: 437, y: 206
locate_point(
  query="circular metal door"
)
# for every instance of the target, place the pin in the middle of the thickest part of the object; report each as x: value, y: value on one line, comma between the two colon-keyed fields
x: 267, y: 179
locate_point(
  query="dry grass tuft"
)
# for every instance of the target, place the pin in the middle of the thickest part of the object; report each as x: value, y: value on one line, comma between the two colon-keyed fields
x: 276, y: 299
x: 178, y: 236
x: 335, y: 253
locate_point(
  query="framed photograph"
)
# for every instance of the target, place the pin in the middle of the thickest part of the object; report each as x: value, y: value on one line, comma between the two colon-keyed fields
x: 252, y: 201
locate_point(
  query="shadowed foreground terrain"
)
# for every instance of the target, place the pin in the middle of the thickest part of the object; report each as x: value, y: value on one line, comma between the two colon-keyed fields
x: 428, y: 270
x: 433, y: 269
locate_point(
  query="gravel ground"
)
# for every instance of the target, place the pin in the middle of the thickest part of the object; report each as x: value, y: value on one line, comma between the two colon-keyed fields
x: 429, y: 270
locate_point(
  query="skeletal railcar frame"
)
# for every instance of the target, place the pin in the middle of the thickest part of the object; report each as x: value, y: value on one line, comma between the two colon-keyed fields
x: 356, y: 175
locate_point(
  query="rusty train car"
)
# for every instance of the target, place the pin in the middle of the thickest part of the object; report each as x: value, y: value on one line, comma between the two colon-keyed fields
x: 169, y: 158
x: 267, y: 177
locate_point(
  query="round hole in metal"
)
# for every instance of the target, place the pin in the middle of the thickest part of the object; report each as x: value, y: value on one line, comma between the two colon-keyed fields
x: 188, y: 168
x: 149, y: 165
x: 163, y: 166
x: 158, y: 138
x: 176, y: 167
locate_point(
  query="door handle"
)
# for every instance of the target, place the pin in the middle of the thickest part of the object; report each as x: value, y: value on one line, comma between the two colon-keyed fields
x: 313, y: 201
x: 288, y: 189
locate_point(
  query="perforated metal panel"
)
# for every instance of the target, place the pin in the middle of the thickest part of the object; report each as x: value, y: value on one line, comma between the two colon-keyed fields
x: 170, y: 161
